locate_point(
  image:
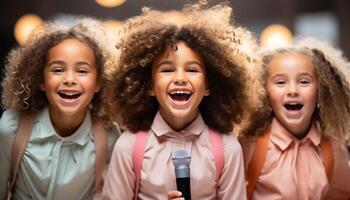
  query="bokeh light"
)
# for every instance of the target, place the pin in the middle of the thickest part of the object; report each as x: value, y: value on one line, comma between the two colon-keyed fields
x: 25, y: 25
x: 110, y: 3
x: 275, y: 35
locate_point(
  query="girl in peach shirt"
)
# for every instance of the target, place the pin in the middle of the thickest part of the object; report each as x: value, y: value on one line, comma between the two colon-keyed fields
x: 307, y: 101
x: 176, y: 79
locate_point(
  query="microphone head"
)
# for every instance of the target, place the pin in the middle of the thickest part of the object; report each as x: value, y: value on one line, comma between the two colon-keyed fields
x: 181, y: 157
x: 181, y: 160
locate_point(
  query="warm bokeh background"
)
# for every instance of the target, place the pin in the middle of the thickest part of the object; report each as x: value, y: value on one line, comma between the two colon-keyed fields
x: 325, y: 19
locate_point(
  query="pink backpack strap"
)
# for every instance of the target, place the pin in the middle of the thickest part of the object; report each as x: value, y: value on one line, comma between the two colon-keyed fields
x: 217, y: 148
x: 101, y: 148
x: 22, y: 136
x: 137, y: 159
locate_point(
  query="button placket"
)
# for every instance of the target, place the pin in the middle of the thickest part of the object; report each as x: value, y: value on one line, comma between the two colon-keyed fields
x: 55, y: 162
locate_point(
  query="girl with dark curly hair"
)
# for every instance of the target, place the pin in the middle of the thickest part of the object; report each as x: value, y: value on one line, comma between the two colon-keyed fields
x: 180, y: 75
x: 301, y: 128
x: 52, y: 85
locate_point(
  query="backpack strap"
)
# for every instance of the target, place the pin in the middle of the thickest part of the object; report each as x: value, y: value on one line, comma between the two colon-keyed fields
x: 101, y: 148
x: 257, y: 162
x: 137, y: 159
x: 217, y: 149
x: 328, y: 157
x: 22, y: 136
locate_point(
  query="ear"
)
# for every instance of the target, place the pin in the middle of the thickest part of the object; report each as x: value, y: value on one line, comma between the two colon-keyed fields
x: 98, y: 86
x: 42, y: 87
x: 206, y: 92
x: 151, y: 92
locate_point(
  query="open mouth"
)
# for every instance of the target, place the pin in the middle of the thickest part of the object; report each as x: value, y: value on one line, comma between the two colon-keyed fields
x: 293, y: 106
x: 180, y: 95
x: 69, y: 95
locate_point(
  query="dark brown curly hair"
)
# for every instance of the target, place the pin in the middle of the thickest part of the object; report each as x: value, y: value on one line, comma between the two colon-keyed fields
x: 332, y: 115
x: 219, y: 44
x: 25, y: 64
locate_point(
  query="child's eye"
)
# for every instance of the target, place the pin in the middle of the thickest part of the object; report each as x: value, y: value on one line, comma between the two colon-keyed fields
x: 280, y: 82
x: 82, y: 71
x: 57, y: 69
x: 193, y: 69
x: 166, y: 69
x: 304, y: 81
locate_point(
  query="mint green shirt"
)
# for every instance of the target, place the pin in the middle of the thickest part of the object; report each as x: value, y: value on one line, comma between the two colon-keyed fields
x: 53, y: 167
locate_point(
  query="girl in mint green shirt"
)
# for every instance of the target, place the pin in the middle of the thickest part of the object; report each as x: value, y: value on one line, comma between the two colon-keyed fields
x: 56, y: 75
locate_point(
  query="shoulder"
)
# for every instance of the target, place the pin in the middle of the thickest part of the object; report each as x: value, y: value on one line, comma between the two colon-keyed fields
x: 8, y: 123
x: 340, y: 151
x: 231, y: 144
x: 112, y: 135
x: 125, y: 141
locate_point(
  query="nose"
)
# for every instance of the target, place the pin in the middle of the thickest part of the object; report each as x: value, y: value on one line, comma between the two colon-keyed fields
x: 293, y: 89
x: 180, y: 78
x: 69, y: 79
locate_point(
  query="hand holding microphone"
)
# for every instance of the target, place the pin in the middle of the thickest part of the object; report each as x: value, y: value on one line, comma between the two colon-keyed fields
x: 181, y: 160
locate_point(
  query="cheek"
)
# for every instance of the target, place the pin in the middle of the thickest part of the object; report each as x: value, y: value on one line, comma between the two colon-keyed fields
x: 90, y: 85
x: 313, y: 96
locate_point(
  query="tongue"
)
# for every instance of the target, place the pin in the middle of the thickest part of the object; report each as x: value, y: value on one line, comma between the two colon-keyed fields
x: 294, y: 107
x: 69, y: 96
x: 180, y: 97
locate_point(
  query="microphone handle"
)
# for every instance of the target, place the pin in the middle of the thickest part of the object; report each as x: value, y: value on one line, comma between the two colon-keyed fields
x: 183, y: 185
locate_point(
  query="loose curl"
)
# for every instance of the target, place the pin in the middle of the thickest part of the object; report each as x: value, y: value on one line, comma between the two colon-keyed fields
x: 222, y: 46
x: 25, y: 64
x: 332, y: 115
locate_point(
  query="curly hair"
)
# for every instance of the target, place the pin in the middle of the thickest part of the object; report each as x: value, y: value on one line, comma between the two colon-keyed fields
x: 332, y: 115
x: 225, y: 49
x: 25, y: 64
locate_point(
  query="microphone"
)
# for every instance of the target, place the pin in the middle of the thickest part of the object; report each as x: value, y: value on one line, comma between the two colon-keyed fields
x: 181, y: 160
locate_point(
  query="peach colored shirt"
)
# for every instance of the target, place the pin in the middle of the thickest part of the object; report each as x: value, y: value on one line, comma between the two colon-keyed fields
x: 157, y: 174
x: 294, y: 168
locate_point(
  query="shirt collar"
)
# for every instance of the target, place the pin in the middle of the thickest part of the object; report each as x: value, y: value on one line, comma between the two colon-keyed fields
x: 160, y: 127
x: 80, y: 136
x: 283, y: 138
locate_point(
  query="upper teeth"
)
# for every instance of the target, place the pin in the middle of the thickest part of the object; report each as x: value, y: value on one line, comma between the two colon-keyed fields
x: 180, y: 92
x: 70, y: 93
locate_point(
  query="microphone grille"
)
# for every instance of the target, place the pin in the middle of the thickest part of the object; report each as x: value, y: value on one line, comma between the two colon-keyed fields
x: 181, y: 157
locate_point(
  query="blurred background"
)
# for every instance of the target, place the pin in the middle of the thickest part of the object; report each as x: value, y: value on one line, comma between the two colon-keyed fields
x: 274, y: 22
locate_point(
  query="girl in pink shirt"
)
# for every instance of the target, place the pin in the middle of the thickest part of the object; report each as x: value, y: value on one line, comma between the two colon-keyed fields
x: 179, y: 74
x: 302, y: 126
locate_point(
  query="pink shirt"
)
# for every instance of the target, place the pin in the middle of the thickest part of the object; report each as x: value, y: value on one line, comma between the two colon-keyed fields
x: 158, y: 175
x: 294, y: 168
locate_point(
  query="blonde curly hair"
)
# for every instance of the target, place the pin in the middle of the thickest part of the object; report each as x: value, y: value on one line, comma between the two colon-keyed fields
x: 25, y: 64
x: 332, y: 115
x: 227, y: 51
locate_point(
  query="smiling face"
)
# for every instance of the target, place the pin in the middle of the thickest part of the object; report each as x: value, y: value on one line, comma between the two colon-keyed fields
x: 292, y: 91
x: 70, y: 78
x: 179, y: 85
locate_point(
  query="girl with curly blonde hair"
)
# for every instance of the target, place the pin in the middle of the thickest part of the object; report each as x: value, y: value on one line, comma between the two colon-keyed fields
x: 51, y: 93
x: 296, y: 138
x: 180, y: 76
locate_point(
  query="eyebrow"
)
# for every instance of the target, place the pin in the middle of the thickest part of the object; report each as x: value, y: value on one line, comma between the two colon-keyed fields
x: 195, y: 62
x: 62, y: 63
x: 285, y: 74
x: 170, y: 62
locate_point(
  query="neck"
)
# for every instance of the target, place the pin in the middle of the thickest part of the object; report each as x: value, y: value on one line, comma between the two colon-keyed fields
x: 301, y: 132
x: 66, y: 125
x: 178, y: 123
x: 298, y: 132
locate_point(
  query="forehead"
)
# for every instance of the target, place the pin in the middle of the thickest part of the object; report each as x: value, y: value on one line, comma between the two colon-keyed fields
x: 291, y: 63
x: 71, y: 47
x: 181, y: 53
